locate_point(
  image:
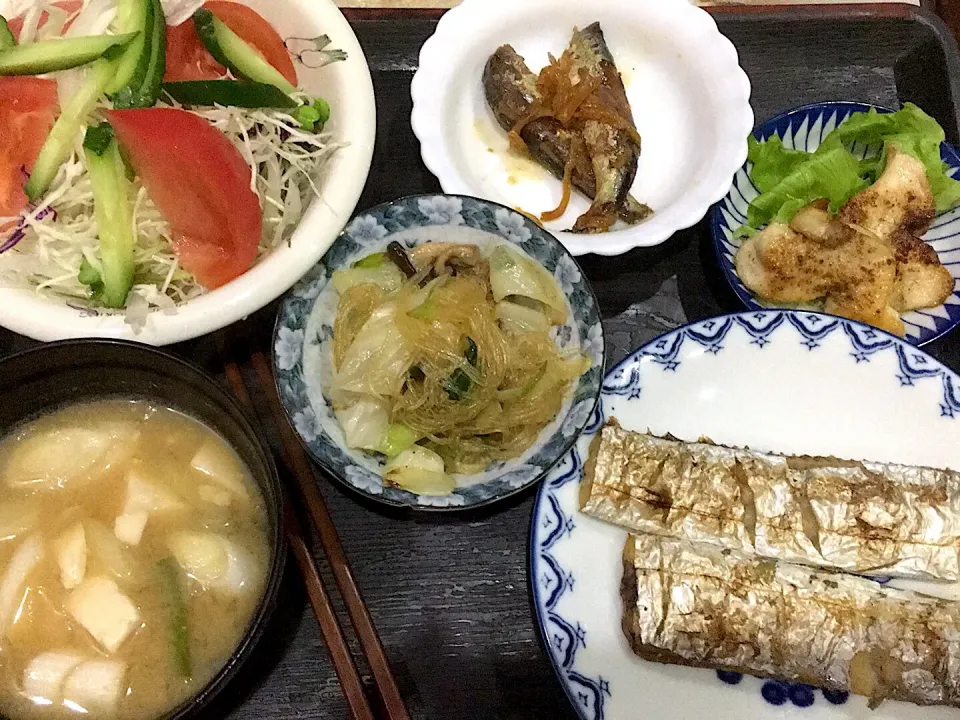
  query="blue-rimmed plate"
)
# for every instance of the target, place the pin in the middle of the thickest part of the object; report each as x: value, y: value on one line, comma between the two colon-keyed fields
x: 785, y: 381
x: 304, y: 329
x: 803, y: 129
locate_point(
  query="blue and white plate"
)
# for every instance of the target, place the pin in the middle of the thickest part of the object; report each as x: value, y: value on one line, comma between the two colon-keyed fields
x: 785, y: 381
x: 302, y: 343
x: 803, y: 129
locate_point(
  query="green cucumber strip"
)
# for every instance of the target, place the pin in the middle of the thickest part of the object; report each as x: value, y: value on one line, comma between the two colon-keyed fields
x: 134, y: 16
x: 232, y: 93
x: 233, y: 52
x: 59, y: 54
x: 59, y: 143
x: 145, y: 92
x: 113, y: 209
x: 98, y: 139
x: 7, y: 40
x: 172, y: 584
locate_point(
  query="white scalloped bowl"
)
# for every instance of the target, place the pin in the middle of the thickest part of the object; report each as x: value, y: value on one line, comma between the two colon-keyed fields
x: 690, y: 99
x: 349, y: 89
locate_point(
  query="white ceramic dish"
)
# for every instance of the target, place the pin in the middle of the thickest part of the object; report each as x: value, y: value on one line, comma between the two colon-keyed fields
x: 783, y: 381
x: 690, y: 101
x: 348, y: 88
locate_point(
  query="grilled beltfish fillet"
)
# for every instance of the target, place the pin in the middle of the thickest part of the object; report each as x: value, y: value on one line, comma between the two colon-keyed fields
x: 693, y: 606
x: 870, y: 518
x: 510, y: 89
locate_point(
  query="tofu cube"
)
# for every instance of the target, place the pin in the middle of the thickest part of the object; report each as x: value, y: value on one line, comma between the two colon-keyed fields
x: 104, y: 611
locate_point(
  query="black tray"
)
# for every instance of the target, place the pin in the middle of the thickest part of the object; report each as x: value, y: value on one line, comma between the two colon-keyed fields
x: 450, y: 595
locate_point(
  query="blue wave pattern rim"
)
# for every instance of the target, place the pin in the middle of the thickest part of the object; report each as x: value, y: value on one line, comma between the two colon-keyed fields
x: 565, y: 636
x: 803, y: 129
x: 368, y: 232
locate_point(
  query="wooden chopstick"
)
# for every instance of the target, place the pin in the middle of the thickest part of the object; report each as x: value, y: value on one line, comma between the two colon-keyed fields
x: 363, y: 625
x: 333, y: 636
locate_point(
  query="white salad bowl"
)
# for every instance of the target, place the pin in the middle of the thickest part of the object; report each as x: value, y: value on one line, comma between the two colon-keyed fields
x: 690, y: 101
x: 348, y: 88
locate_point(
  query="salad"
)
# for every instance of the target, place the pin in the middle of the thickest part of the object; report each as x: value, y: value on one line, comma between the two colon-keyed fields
x: 150, y: 150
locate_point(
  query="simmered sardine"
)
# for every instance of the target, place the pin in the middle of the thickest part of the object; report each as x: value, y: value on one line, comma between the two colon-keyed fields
x: 511, y: 92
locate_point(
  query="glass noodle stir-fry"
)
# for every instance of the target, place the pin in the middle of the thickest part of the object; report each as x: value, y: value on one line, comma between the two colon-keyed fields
x: 444, y: 359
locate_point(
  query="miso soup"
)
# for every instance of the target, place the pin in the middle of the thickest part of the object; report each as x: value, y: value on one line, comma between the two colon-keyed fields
x: 134, y: 551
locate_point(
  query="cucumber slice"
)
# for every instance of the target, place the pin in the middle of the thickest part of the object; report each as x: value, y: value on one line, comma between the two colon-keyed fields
x: 60, y: 54
x: 233, y: 52
x: 134, y: 16
x: 59, y: 143
x: 144, y: 87
x: 113, y: 208
x: 7, y: 40
x: 232, y: 93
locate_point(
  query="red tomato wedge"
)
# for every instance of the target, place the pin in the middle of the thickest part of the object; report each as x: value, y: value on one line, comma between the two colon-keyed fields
x: 28, y: 107
x: 200, y: 183
x: 70, y: 6
x: 188, y: 59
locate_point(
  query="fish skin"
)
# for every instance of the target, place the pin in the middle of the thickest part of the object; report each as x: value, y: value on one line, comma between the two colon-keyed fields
x: 510, y: 90
x: 613, y: 152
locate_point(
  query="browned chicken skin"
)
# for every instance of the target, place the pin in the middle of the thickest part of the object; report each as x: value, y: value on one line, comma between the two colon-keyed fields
x: 866, y: 264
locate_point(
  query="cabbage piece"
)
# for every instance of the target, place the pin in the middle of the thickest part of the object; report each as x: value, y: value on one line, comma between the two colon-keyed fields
x: 364, y: 423
x: 213, y: 561
x: 419, y: 470
x: 104, y: 611
x: 44, y: 675
x: 516, y: 318
x: 24, y: 560
x: 514, y: 274
x: 109, y: 555
x: 71, y: 550
x: 95, y: 686
x: 377, y: 361
x: 146, y: 496
x: 387, y: 277
x: 50, y: 458
x: 221, y: 465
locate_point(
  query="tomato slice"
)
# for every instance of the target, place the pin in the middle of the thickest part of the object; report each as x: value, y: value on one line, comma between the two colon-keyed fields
x: 70, y: 6
x: 188, y: 59
x: 28, y: 107
x: 200, y: 183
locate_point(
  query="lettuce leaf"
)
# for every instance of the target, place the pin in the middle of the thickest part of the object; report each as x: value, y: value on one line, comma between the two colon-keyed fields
x: 915, y: 133
x: 834, y: 175
x: 789, y: 180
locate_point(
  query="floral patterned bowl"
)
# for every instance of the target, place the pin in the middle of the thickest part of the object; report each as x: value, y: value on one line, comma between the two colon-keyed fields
x: 302, y: 344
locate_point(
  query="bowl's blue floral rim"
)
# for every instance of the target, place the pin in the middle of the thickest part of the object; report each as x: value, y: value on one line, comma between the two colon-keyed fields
x: 368, y: 232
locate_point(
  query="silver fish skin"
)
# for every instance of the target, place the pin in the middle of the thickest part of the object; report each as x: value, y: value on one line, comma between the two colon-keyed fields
x: 613, y: 152
x: 703, y: 607
x: 869, y: 518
